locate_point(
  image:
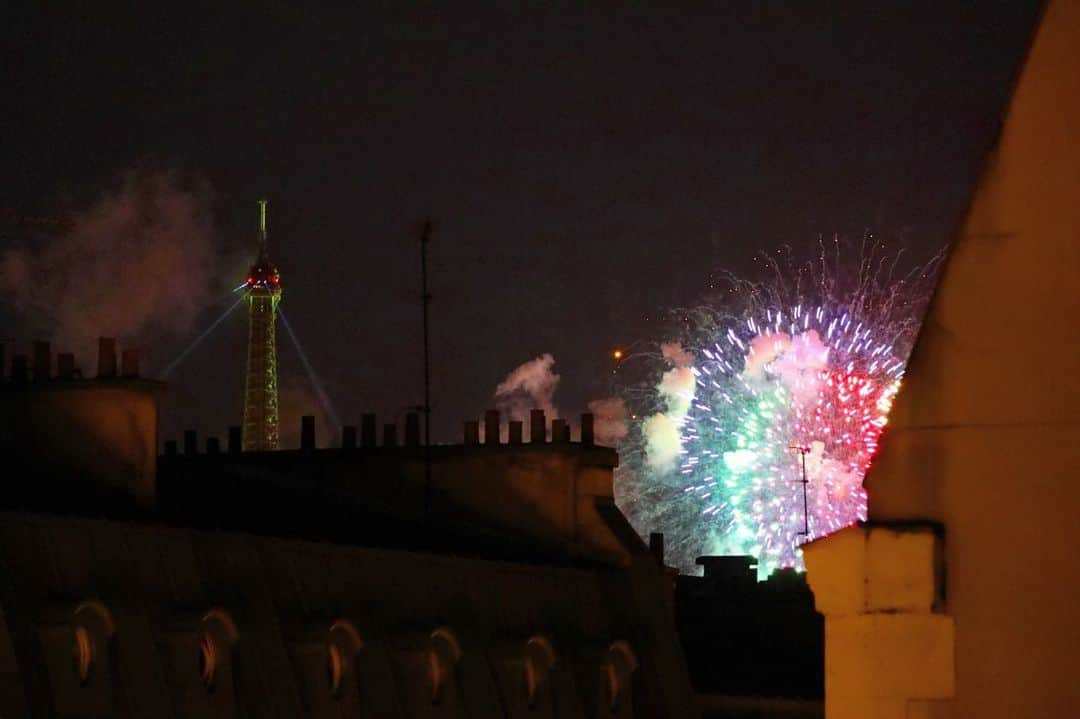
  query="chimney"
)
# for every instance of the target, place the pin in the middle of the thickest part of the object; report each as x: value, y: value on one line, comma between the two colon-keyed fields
x: 106, y: 357
x: 19, y: 369
x: 389, y: 435
x: 656, y: 546
x: 191, y: 445
x: 307, y: 432
x: 3, y: 367
x: 491, y: 426
x: 560, y: 432
x: 170, y: 448
x: 129, y: 363
x: 472, y: 432
x: 537, y: 426
x: 412, y: 429
x: 213, y: 446
x: 588, y: 436
x: 367, y: 431
x: 515, y: 431
x: 348, y: 437
x: 42, y: 362
x: 235, y: 440
x: 65, y: 365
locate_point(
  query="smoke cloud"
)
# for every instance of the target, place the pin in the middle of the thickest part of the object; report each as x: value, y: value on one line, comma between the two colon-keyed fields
x: 609, y: 424
x: 676, y: 355
x: 663, y: 430
x: 796, y: 362
x: 138, y: 262
x: 530, y: 386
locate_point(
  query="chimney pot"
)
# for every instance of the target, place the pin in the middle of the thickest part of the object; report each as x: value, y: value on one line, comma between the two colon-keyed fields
x: 65, y: 365
x: 412, y: 429
x: 389, y: 435
x: 129, y: 363
x: 106, y: 357
x: 213, y: 446
x: 235, y: 440
x: 367, y: 431
x: 19, y: 369
x: 515, y: 431
x: 472, y: 432
x: 537, y: 426
x: 588, y: 435
x: 170, y: 448
x: 191, y: 445
x: 656, y: 546
x: 42, y: 362
x: 491, y: 427
x: 560, y: 432
x: 307, y: 432
x: 348, y: 437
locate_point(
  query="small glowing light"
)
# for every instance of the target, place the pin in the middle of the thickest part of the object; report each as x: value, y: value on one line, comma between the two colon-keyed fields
x: 617, y: 354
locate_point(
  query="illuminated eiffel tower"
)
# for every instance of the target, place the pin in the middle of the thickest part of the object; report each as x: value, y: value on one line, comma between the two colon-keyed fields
x: 263, y: 292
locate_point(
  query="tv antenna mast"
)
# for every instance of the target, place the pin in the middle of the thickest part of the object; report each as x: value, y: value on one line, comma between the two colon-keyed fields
x: 425, y: 300
x: 803, y: 450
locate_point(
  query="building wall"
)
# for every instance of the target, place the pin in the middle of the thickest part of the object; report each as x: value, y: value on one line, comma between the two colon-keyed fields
x: 269, y: 605
x: 555, y: 498
x: 76, y: 440
x: 965, y: 575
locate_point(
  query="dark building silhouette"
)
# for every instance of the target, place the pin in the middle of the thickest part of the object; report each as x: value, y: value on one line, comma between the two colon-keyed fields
x: 210, y: 582
x: 748, y: 638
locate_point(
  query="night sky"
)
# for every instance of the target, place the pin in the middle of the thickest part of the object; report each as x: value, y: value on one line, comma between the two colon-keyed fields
x: 584, y: 170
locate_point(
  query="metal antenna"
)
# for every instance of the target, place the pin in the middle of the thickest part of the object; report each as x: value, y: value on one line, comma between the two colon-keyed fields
x: 803, y: 450
x: 425, y: 300
x: 262, y: 227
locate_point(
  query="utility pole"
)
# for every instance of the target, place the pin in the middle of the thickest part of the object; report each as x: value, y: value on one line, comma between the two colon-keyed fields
x: 425, y: 300
x: 803, y: 450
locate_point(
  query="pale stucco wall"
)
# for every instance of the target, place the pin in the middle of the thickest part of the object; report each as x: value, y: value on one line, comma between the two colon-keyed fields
x: 984, y: 436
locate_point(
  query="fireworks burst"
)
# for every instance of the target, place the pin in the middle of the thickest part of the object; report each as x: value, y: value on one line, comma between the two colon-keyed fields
x: 772, y: 377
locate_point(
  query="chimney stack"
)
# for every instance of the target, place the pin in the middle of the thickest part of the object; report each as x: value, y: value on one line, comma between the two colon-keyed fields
x: 65, y: 365
x: 213, y: 446
x: 129, y: 363
x: 235, y: 440
x: 491, y: 426
x: 19, y: 369
x: 367, y: 431
x: 170, y: 448
x: 515, y: 431
x: 560, y: 432
x: 389, y: 435
x: 191, y: 445
x: 42, y: 362
x: 472, y: 432
x: 588, y: 436
x: 537, y: 426
x: 307, y: 432
x: 348, y: 437
x: 412, y: 429
x: 106, y: 357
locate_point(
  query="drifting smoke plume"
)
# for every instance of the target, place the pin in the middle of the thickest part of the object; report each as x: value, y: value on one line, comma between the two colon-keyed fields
x: 662, y: 430
x: 530, y: 386
x: 610, y: 417
x: 139, y: 261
